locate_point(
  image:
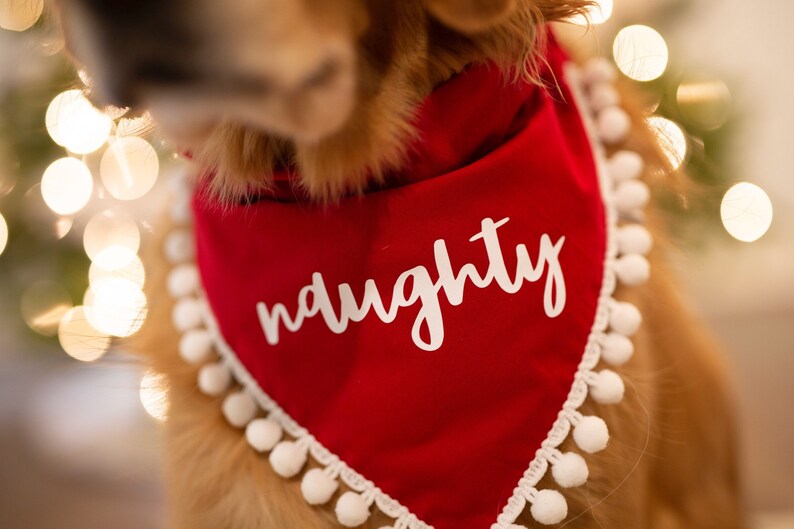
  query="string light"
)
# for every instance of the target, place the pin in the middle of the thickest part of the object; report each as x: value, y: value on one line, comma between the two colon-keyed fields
x: 73, y: 122
x: 746, y: 212
x: 115, y: 306
x: 132, y: 271
x: 129, y: 168
x: 672, y: 140
x: 3, y: 234
x: 67, y: 186
x: 79, y: 338
x: 111, y: 239
x: 705, y: 100
x: 154, y: 395
x: 641, y: 53
x: 19, y: 15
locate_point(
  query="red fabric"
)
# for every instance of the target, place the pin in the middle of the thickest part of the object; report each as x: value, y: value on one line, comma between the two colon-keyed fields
x: 449, y: 432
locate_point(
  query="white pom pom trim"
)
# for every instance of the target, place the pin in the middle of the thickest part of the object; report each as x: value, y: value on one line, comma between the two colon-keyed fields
x: 633, y: 270
x: 570, y: 470
x: 263, y: 434
x: 187, y: 314
x: 634, y: 239
x: 214, y: 379
x: 614, y: 125
x: 549, y: 507
x: 239, y: 409
x: 352, y: 509
x: 183, y: 281
x: 318, y: 487
x: 606, y: 387
x: 617, y: 349
x: 288, y: 459
x: 195, y: 346
x: 591, y: 434
x: 625, y: 165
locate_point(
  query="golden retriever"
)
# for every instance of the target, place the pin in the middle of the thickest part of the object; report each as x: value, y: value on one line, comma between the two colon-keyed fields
x: 330, y: 87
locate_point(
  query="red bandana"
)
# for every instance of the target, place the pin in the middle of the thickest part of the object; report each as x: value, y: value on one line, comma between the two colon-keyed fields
x: 427, y: 334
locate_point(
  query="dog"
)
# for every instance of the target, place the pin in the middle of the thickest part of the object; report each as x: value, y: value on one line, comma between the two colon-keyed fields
x: 329, y: 90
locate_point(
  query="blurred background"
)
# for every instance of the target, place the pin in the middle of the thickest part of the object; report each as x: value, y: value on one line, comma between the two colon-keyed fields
x: 80, y: 188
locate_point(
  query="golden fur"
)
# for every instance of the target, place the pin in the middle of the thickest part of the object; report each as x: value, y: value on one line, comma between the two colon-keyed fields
x: 670, y: 464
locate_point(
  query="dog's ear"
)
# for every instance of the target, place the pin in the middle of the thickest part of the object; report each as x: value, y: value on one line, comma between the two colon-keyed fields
x: 470, y: 15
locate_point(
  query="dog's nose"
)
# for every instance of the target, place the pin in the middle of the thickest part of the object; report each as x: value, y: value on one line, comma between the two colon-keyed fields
x: 136, y: 44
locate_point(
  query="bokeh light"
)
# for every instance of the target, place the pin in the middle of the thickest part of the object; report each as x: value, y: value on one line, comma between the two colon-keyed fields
x: 129, y: 168
x: 80, y: 339
x: 154, y: 395
x: 3, y: 234
x: 19, y: 15
x: 115, y: 306
x: 598, y: 13
x: 672, y: 140
x: 73, y: 122
x: 67, y: 186
x: 746, y: 212
x: 111, y: 239
x: 706, y: 101
x: 44, y: 305
x: 117, y: 266
x: 641, y: 53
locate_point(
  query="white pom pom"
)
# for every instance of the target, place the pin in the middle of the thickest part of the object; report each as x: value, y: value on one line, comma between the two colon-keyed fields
x: 617, y: 349
x: 214, y: 379
x: 263, y: 434
x: 632, y: 195
x: 288, y: 458
x: 179, y: 247
x: 591, y: 434
x: 633, y: 270
x: 607, y: 387
x: 625, y: 319
x: 634, y: 238
x: 613, y: 125
x: 187, y: 314
x: 603, y: 95
x: 570, y: 470
x: 549, y: 507
x: 180, y: 210
x: 600, y: 70
x: 318, y: 487
x: 239, y: 409
x: 626, y: 165
x: 183, y: 280
x: 195, y: 346
x: 352, y: 509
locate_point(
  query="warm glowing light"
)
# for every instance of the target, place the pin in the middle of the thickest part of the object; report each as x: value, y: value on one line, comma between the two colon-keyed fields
x: 129, y: 168
x: 62, y: 227
x: 116, y: 307
x: 132, y: 270
x: 3, y: 234
x: 80, y: 339
x: 67, y: 186
x: 44, y: 305
x: 672, y: 140
x: 598, y: 13
x: 111, y: 239
x: 19, y: 15
x: 640, y: 53
x: 705, y: 100
x: 73, y: 122
x: 154, y: 395
x: 746, y: 212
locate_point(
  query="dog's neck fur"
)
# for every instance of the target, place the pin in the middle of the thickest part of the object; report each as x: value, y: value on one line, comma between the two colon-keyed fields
x: 402, y: 57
